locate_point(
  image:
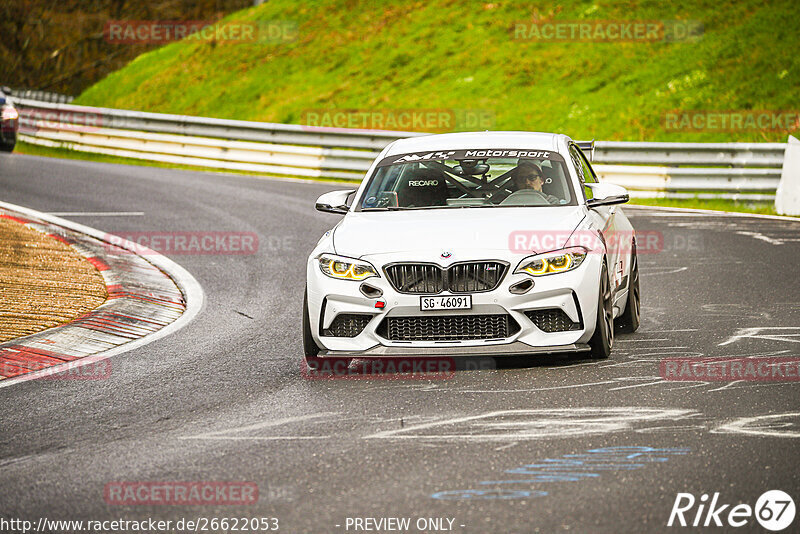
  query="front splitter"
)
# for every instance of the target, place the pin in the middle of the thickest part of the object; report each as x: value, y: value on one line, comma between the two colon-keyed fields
x: 511, y: 349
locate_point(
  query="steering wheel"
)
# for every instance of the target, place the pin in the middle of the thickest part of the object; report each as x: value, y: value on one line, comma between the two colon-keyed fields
x: 526, y: 197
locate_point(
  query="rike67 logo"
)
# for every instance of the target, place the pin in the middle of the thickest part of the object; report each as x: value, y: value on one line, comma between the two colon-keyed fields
x: 774, y: 511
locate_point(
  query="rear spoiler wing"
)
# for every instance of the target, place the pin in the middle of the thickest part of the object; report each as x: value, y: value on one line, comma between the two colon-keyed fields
x: 587, y: 147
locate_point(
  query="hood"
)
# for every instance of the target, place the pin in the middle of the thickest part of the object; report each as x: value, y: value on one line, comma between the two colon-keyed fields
x: 449, y: 230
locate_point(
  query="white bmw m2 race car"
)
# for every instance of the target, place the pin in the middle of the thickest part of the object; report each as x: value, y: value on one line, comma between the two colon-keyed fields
x: 485, y: 243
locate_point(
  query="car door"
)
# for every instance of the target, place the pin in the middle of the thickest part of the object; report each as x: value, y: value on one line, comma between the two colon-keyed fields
x: 603, y: 217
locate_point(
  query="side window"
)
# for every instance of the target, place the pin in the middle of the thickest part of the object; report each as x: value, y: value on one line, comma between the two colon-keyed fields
x: 576, y: 162
x: 588, y: 172
x: 585, y: 173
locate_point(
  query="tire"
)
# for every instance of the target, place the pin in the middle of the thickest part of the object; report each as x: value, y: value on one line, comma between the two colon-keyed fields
x: 314, y: 365
x: 603, y: 337
x: 7, y: 142
x: 310, y: 347
x: 629, y: 320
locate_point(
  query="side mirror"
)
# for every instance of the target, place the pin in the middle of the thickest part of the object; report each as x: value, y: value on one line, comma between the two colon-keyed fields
x: 334, y: 201
x: 606, y: 195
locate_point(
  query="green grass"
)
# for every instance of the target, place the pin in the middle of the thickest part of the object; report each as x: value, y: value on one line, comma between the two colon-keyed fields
x: 452, y: 55
x: 763, y: 208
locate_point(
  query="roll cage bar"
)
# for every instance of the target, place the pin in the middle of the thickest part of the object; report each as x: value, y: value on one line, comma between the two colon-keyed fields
x: 482, y: 183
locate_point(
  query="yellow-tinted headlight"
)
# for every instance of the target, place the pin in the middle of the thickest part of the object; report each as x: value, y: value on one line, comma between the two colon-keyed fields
x: 552, y: 262
x: 343, y: 268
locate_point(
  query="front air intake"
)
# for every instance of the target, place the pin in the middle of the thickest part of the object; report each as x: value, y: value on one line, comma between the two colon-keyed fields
x: 347, y: 325
x: 448, y: 327
x: 552, y: 320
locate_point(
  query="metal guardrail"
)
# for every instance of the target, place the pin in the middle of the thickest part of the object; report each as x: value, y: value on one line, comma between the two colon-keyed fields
x: 40, y: 96
x: 673, y: 154
x: 723, y: 170
x: 239, y: 130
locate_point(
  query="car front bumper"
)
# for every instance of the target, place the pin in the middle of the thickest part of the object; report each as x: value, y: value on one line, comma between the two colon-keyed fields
x: 575, y: 292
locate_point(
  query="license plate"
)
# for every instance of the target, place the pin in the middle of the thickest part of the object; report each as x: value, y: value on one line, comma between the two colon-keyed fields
x: 463, y: 302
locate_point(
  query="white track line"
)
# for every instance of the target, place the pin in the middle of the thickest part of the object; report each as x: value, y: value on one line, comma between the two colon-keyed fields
x: 660, y: 272
x: 678, y: 330
x: 657, y: 382
x: 761, y: 237
x: 751, y: 426
x: 755, y: 332
x: 221, y: 434
x: 527, y: 390
x: 96, y: 213
x: 191, y: 289
x: 256, y: 438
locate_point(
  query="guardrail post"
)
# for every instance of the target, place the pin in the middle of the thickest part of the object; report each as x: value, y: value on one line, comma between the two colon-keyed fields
x: 787, y: 197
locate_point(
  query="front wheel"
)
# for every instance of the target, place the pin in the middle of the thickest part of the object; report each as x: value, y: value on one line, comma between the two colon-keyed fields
x: 310, y: 347
x: 629, y: 320
x: 603, y: 338
x: 316, y: 367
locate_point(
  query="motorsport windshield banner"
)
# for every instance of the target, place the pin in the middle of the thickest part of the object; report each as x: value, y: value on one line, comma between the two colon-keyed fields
x: 481, y: 153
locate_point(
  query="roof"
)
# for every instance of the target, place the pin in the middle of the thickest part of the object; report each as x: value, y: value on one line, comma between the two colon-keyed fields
x: 476, y: 140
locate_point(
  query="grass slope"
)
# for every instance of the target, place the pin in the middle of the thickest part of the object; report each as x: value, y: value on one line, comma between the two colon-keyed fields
x: 444, y: 54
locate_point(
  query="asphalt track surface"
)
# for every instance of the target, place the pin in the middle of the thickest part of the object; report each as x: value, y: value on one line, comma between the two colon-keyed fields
x: 223, y: 398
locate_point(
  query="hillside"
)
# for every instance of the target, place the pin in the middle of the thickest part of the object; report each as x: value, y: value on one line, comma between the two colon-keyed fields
x: 450, y: 56
x: 60, y: 46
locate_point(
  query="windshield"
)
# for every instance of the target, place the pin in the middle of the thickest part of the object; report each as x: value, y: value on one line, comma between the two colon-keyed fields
x: 469, y: 179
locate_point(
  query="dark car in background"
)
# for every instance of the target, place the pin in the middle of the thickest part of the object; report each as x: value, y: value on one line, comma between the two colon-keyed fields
x: 9, y: 122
